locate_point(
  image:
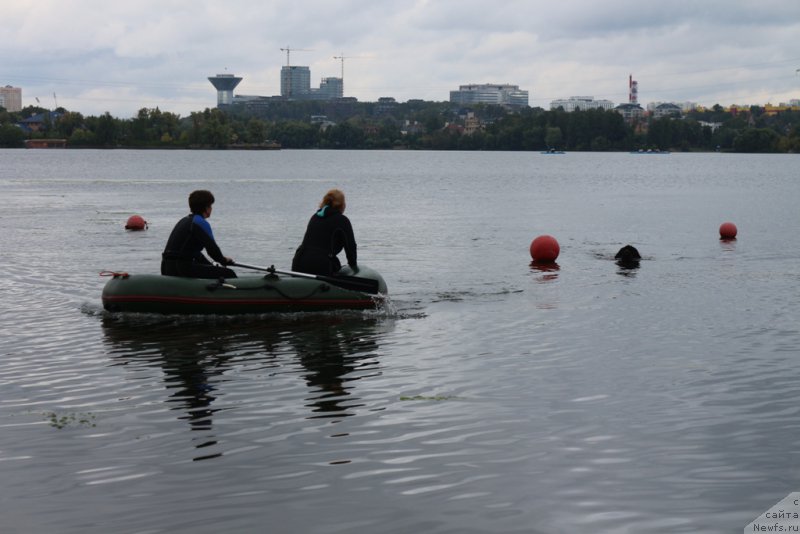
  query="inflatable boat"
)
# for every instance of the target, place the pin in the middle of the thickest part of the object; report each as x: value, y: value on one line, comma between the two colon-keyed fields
x: 275, y: 291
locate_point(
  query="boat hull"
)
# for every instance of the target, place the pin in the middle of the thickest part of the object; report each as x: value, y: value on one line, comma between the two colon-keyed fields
x: 150, y: 293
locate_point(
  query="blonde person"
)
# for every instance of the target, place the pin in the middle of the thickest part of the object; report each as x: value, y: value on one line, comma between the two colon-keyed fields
x: 328, y: 233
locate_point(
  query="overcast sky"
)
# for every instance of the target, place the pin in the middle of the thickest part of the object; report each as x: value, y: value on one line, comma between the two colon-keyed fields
x: 107, y: 55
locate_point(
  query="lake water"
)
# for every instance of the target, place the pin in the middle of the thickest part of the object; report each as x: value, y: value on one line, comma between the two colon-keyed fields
x: 488, y: 395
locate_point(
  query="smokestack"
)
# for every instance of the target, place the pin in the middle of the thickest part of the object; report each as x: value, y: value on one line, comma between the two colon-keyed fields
x: 633, y: 90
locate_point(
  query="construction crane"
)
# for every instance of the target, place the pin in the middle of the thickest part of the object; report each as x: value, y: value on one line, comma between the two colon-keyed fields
x: 288, y: 50
x: 290, y: 77
x: 342, y: 57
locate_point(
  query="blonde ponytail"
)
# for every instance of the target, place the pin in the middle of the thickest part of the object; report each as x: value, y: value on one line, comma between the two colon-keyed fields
x: 333, y: 198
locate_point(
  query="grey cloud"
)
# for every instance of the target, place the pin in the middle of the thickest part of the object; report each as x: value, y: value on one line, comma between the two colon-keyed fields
x: 417, y: 49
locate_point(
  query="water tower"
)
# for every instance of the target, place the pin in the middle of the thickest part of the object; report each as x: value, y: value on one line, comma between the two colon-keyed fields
x: 224, y: 84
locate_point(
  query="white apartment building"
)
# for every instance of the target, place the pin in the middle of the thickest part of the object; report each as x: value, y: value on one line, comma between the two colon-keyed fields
x: 499, y: 94
x: 685, y: 107
x: 582, y: 103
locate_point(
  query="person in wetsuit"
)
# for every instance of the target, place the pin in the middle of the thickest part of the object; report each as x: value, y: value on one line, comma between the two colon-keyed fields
x: 328, y: 232
x: 183, y: 255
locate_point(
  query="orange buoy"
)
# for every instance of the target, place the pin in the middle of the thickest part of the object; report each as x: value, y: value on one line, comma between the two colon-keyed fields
x: 727, y: 230
x: 136, y: 222
x: 545, y: 249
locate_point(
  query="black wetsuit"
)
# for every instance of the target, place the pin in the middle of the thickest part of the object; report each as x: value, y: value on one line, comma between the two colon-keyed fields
x: 183, y: 255
x: 328, y: 232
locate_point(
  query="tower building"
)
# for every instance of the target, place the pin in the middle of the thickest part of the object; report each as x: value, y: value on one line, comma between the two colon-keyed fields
x: 224, y: 84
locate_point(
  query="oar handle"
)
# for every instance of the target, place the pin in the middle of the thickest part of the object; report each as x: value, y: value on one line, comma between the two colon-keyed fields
x: 270, y: 269
x: 364, y: 285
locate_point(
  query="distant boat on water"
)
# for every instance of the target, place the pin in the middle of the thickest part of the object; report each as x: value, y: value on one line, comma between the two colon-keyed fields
x: 649, y: 151
x: 552, y: 151
x: 268, y: 145
x: 45, y: 143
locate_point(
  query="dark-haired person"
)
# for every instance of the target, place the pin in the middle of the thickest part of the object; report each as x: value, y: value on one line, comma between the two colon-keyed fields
x: 327, y: 233
x: 183, y: 255
x: 628, y: 257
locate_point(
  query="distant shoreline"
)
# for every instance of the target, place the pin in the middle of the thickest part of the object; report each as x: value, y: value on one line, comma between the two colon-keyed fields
x: 63, y: 146
x: 245, y: 148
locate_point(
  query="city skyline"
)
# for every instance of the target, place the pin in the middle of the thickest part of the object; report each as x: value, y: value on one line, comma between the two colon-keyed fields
x: 121, y: 58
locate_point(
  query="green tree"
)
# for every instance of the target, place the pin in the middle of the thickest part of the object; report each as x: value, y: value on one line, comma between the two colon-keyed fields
x: 600, y: 143
x: 209, y: 128
x: 11, y: 136
x: 432, y: 119
x: 256, y: 131
x: 662, y: 134
x: 216, y: 131
x: 67, y: 123
x: 153, y: 127
x: 554, y: 138
x: 81, y: 137
x: 106, y: 129
x: 344, y: 135
x: 474, y: 141
x: 756, y: 140
x: 140, y: 128
x: 295, y: 134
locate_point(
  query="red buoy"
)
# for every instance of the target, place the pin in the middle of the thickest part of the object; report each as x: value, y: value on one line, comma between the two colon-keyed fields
x: 545, y: 249
x: 136, y: 222
x: 727, y: 230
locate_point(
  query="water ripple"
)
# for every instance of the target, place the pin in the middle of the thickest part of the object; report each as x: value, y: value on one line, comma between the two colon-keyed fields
x: 487, y: 395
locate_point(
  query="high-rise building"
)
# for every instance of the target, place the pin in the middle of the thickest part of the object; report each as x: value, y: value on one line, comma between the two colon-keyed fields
x: 11, y: 98
x: 225, y: 84
x: 500, y: 94
x: 295, y: 81
x: 329, y: 88
x: 296, y: 85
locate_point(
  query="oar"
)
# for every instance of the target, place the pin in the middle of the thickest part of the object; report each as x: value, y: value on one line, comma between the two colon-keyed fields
x: 355, y: 283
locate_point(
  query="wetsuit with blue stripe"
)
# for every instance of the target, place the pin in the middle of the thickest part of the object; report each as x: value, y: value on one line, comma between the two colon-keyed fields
x: 183, y: 255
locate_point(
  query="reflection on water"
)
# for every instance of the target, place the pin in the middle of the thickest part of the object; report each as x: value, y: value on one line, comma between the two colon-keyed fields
x: 189, y: 359
x: 627, y: 267
x: 728, y: 244
x: 545, y: 267
x: 545, y: 273
x: 334, y: 351
x: 548, y: 270
x: 331, y: 353
x: 545, y: 398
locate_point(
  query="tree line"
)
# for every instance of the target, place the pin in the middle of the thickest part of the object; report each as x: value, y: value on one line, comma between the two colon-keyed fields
x: 415, y: 124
